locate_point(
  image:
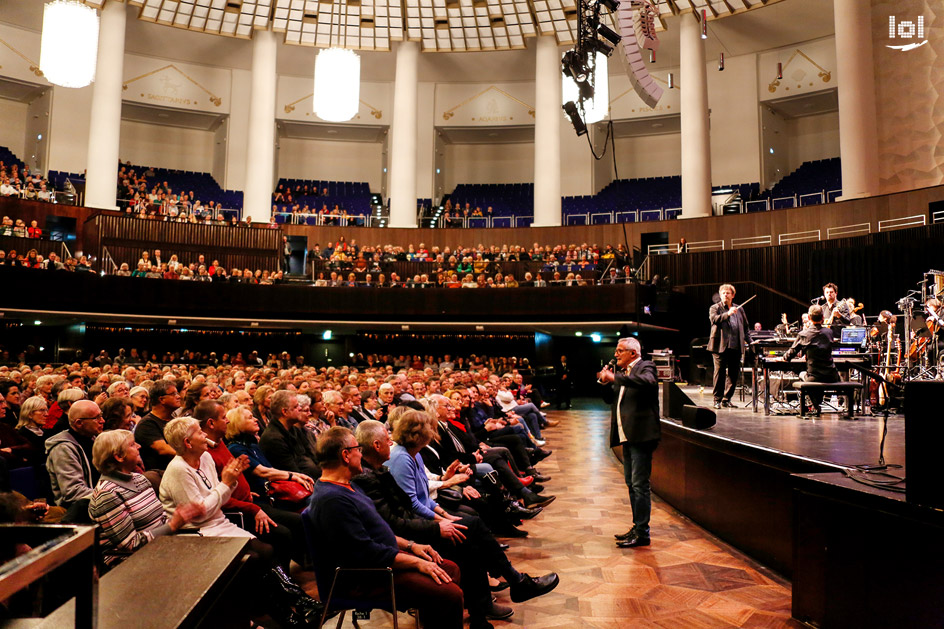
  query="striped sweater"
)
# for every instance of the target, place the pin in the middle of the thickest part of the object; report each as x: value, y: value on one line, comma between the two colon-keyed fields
x: 129, y: 514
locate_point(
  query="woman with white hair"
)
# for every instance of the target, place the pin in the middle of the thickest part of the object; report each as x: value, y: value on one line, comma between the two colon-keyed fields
x: 139, y: 398
x: 191, y: 478
x: 124, y: 504
x: 32, y: 418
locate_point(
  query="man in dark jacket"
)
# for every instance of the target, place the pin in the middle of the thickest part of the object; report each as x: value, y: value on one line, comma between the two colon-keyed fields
x: 634, y: 425
x: 284, y: 441
x: 727, y: 342
x: 816, y: 343
x: 467, y: 541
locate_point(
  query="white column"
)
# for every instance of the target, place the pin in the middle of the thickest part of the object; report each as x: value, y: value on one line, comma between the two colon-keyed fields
x: 403, y: 142
x: 547, y: 140
x: 260, y: 146
x: 696, y: 146
x: 101, y: 182
x: 858, y: 144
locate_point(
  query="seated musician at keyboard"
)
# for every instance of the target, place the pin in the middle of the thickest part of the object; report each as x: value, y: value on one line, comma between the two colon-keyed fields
x: 815, y: 343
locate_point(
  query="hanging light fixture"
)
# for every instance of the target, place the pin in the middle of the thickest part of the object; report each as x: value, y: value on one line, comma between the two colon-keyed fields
x: 69, y: 48
x: 337, y: 82
x: 596, y: 107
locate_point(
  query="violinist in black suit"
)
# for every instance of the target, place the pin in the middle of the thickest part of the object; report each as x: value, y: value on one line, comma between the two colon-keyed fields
x: 727, y: 343
x: 634, y: 425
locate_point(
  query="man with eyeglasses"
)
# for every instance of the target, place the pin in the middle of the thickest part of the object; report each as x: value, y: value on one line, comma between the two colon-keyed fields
x: 634, y: 425
x: 68, y: 460
x: 149, y: 433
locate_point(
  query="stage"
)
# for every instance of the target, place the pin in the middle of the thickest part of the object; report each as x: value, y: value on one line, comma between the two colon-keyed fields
x: 828, y: 439
x: 778, y: 488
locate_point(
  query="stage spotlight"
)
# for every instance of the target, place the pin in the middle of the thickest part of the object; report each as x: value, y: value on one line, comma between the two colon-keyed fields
x: 612, y: 5
x: 721, y: 63
x: 571, y: 110
x: 574, y: 65
x: 595, y: 45
x: 608, y: 33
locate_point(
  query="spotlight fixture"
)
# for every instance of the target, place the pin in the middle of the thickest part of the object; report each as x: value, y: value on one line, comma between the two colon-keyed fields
x: 609, y: 34
x: 671, y: 81
x: 779, y: 70
x: 571, y: 110
x: 611, y: 5
x: 600, y: 46
x: 574, y: 65
x: 721, y: 63
x: 704, y: 24
x: 652, y: 56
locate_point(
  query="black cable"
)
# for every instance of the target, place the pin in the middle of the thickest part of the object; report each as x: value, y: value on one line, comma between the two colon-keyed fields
x: 890, y: 482
x: 613, y: 140
x: 609, y: 132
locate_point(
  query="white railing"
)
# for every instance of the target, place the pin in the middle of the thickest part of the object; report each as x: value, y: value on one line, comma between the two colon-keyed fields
x: 106, y: 257
x: 506, y: 219
x: 752, y: 241
x: 320, y: 219
x: 644, y: 213
x: 573, y: 218
x: 632, y: 213
x: 849, y: 230
x: 706, y: 245
x: 765, y: 203
x: 676, y: 210
x: 657, y: 250
x: 901, y: 223
x: 793, y: 202
x: 642, y: 273
x: 832, y: 195
x: 65, y: 254
x: 813, y: 234
x: 608, y: 215
x: 937, y: 217
x: 819, y: 196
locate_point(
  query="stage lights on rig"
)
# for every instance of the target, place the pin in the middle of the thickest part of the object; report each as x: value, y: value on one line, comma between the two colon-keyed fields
x: 584, y: 68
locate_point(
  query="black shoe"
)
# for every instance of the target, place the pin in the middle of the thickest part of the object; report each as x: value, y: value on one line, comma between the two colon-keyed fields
x: 502, y: 585
x: 625, y: 535
x: 532, y: 500
x: 633, y: 542
x: 728, y: 404
x: 717, y: 405
x: 536, y: 488
x: 530, y: 587
x: 516, y: 510
x: 510, y: 531
x: 540, y: 478
x: 498, y: 612
x: 540, y: 454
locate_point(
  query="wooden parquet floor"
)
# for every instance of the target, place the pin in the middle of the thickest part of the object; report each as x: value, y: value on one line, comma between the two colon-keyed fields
x: 686, y: 579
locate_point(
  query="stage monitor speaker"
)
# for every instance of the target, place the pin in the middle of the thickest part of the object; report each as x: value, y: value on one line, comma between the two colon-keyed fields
x: 673, y: 399
x: 924, y: 434
x: 697, y: 417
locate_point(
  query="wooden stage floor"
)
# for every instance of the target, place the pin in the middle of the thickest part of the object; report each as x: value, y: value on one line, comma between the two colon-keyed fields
x: 686, y: 578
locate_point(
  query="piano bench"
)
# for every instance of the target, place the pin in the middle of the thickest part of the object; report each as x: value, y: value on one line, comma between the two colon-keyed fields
x: 846, y: 389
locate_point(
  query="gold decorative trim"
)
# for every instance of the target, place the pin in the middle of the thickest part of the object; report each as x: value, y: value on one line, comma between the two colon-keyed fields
x: 449, y: 113
x: 33, y: 66
x: 216, y: 100
x: 376, y: 113
x: 824, y: 74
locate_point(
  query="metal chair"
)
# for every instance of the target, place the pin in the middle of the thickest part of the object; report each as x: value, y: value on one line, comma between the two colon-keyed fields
x: 342, y: 603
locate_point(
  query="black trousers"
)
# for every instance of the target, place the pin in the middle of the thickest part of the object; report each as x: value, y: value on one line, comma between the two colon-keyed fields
x: 727, y: 372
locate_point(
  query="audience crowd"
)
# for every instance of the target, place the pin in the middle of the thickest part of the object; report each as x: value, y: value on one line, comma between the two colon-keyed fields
x: 412, y: 463
x: 25, y: 184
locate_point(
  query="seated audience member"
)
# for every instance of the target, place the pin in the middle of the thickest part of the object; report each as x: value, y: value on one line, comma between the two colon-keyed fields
x: 347, y: 532
x: 191, y: 478
x: 273, y: 526
x: 68, y: 460
x: 118, y: 413
x: 29, y: 440
x: 242, y: 437
x: 155, y: 451
x: 466, y: 541
x: 284, y: 441
x: 124, y: 504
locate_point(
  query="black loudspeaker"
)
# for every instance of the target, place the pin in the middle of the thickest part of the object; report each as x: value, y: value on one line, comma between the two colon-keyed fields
x: 924, y: 434
x: 697, y: 417
x: 673, y: 399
